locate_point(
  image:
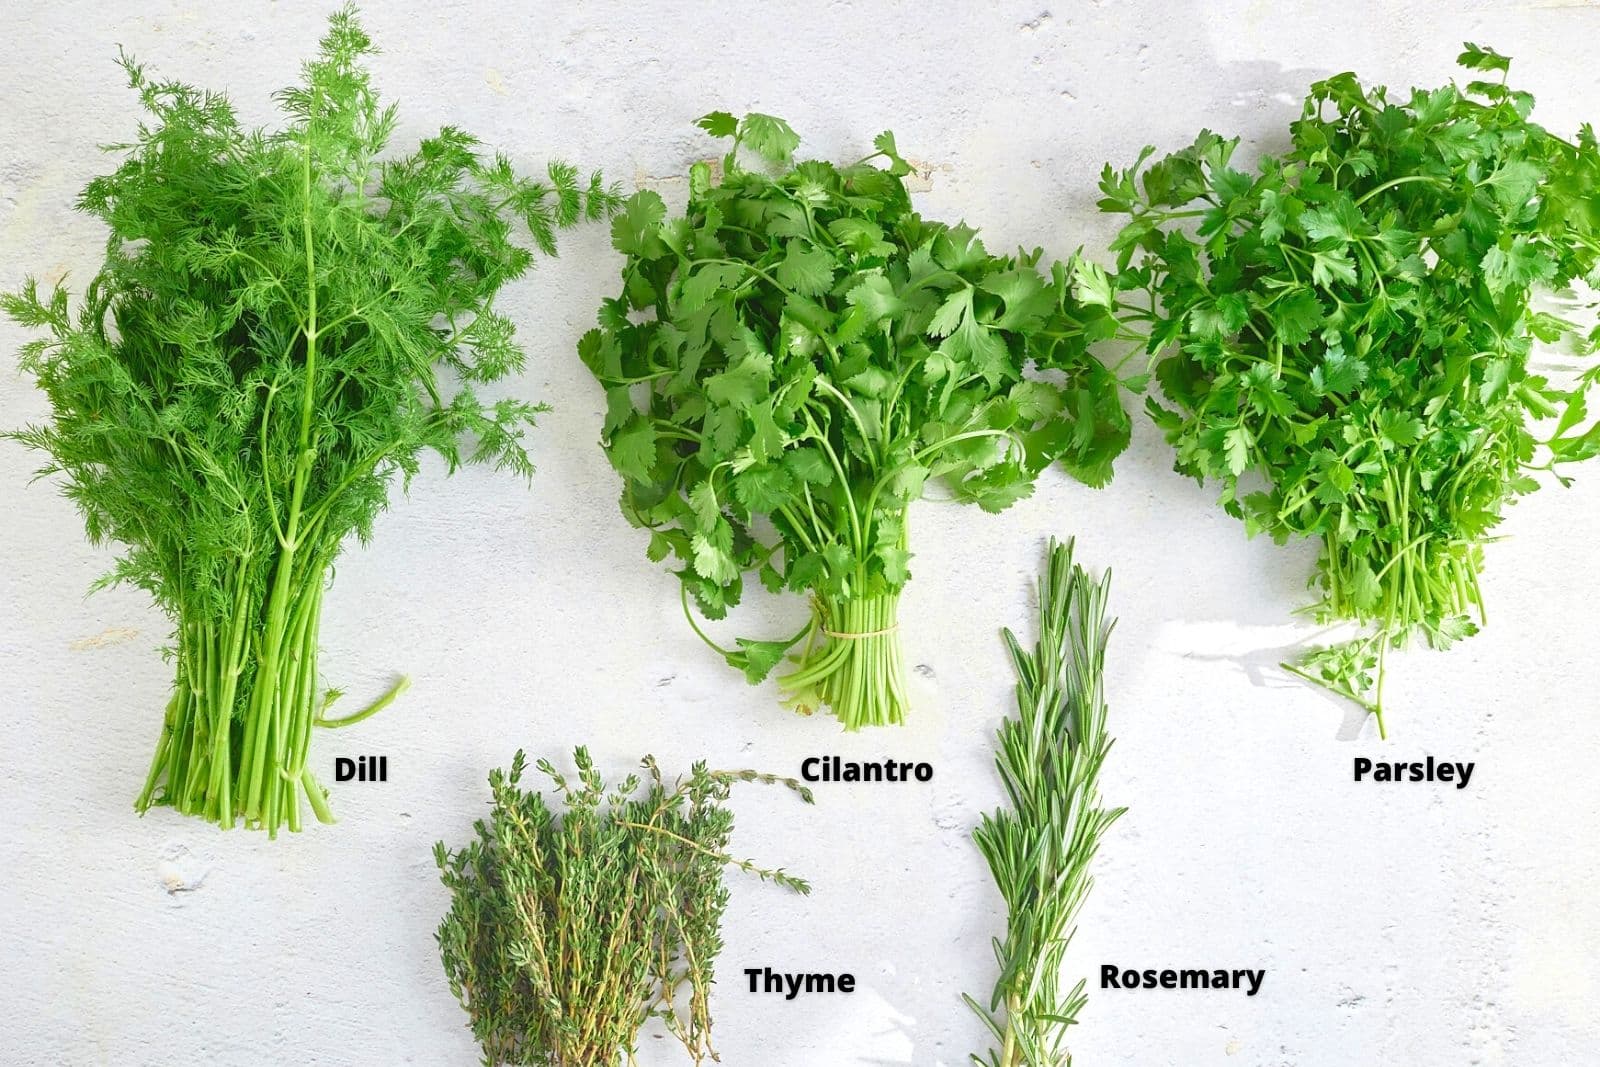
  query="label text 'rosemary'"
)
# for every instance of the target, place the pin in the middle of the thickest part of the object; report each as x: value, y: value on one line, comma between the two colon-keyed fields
x: 1114, y: 977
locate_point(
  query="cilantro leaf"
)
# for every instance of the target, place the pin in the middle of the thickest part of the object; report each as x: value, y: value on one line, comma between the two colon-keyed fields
x: 807, y: 271
x: 633, y: 450
x: 763, y: 489
x: 705, y: 282
x: 771, y: 138
x: 744, y: 382
x: 634, y: 229
x: 956, y: 307
x: 876, y: 297
x: 718, y: 124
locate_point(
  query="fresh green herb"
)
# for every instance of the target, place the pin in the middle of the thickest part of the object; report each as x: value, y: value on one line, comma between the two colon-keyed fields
x: 1353, y: 329
x: 1040, y: 848
x: 794, y: 360
x: 265, y: 348
x: 566, y: 933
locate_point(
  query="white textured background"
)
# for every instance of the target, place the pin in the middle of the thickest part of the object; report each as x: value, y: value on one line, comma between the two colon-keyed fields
x: 1406, y: 924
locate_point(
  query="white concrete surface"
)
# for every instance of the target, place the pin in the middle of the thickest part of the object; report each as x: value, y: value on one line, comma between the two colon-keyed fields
x: 1402, y: 924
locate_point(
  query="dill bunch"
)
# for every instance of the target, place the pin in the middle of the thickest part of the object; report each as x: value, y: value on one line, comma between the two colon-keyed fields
x: 566, y: 933
x: 1040, y: 847
x: 284, y: 322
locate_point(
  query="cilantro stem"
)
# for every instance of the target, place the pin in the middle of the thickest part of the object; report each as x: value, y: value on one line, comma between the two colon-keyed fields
x: 850, y: 409
x: 859, y: 668
x: 815, y: 434
x: 683, y: 598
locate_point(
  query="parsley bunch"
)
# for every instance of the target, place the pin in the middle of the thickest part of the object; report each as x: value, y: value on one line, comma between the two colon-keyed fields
x: 566, y: 933
x: 272, y: 338
x: 795, y: 359
x: 1040, y: 847
x: 1353, y: 327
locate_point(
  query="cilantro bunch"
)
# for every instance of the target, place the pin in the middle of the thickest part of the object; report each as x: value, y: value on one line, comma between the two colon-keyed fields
x: 1346, y: 338
x: 568, y: 930
x: 795, y: 359
x: 285, y: 321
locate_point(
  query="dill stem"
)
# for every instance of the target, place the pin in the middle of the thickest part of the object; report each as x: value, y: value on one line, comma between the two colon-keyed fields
x: 163, y: 747
x: 258, y: 721
x: 223, y: 754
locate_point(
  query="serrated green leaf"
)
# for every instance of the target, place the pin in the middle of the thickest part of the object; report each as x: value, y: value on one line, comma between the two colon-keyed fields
x: 805, y: 270
x: 876, y: 297
x: 1364, y: 588
x: 769, y: 137
x: 1475, y: 58
x: 756, y: 659
x: 745, y: 382
x: 951, y: 312
x: 718, y: 124
x: 634, y: 231
x: 884, y: 143
x: 896, y: 565
x: 633, y: 450
x: 705, y: 282
x: 1237, y: 444
x: 764, y: 489
x: 713, y: 553
x: 809, y: 466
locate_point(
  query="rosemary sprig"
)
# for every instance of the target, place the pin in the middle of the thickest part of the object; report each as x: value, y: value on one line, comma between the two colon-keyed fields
x: 1039, y: 849
x: 566, y: 933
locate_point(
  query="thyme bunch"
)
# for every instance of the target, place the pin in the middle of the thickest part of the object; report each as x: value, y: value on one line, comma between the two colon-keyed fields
x: 567, y: 932
x: 285, y: 321
x: 1040, y: 847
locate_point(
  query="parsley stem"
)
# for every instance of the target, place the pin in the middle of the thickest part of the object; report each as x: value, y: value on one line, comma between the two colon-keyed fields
x: 1405, y: 180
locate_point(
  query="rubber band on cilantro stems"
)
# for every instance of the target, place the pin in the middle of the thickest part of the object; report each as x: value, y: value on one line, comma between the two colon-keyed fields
x: 844, y: 636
